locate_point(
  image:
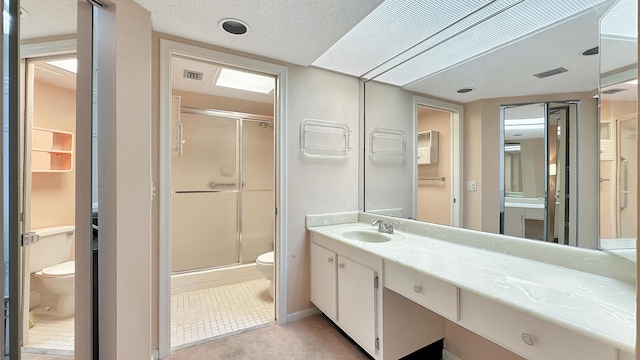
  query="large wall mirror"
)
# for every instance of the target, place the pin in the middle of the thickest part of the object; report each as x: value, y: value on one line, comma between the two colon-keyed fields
x: 537, y: 154
x: 618, y: 129
x: 541, y: 56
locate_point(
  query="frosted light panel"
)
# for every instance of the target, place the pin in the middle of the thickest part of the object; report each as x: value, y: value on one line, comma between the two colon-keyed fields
x: 618, y: 23
x: 519, y: 21
x: 393, y: 27
x: 245, y: 81
x: 70, y: 65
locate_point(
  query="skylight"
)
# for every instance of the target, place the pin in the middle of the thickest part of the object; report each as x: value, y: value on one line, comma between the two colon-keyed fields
x: 70, y: 65
x: 245, y: 81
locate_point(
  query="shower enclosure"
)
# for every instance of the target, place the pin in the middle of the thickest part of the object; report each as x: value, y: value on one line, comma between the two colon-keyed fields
x: 223, y: 200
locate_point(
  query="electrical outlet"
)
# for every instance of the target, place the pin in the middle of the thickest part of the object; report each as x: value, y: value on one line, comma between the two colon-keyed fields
x: 472, y: 186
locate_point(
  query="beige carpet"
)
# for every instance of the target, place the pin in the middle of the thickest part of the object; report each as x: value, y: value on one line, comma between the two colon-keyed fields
x: 310, y: 338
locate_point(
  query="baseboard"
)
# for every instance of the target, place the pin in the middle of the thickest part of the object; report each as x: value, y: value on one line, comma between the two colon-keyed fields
x: 154, y: 354
x: 302, y: 314
x: 448, y: 356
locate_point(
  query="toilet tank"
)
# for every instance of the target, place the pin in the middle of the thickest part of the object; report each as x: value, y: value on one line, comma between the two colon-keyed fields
x: 53, y: 247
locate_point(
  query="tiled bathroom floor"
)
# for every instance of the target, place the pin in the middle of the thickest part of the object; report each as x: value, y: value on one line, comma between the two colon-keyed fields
x: 51, y: 336
x: 208, y: 313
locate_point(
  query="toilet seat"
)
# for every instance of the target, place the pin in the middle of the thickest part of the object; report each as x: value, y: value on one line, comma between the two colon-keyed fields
x: 63, y: 269
x: 266, y: 258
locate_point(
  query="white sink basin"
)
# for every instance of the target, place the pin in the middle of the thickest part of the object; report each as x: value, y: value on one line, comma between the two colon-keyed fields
x: 366, y: 235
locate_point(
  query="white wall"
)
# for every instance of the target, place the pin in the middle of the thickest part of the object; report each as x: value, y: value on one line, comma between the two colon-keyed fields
x: 316, y: 186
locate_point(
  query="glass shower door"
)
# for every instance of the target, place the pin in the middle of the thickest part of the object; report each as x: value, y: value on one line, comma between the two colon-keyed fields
x: 258, y: 196
x: 627, y: 181
x: 205, y: 194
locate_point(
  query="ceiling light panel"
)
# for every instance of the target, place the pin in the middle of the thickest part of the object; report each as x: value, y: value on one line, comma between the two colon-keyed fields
x: 245, y: 81
x: 617, y: 23
x: 70, y: 65
x: 393, y: 27
x: 492, y: 28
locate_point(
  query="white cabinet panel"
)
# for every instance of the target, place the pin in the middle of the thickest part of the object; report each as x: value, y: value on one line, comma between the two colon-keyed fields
x: 433, y: 294
x: 323, y: 280
x: 357, y: 302
x: 534, y: 338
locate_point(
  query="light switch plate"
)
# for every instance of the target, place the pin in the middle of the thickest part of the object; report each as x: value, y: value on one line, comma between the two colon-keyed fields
x: 472, y: 186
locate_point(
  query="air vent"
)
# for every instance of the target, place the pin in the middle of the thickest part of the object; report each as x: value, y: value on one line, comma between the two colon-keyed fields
x: 193, y: 75
x: 552, y: 72
x: 613, y: 91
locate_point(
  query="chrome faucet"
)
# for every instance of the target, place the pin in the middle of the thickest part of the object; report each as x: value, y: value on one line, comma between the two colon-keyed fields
x: 382, y: 227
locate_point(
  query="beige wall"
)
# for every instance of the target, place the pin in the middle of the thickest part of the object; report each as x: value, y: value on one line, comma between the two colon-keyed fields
x: 53, y: 194
x: 124, y: 56
x: 205, y: 101
x: 434, y: 197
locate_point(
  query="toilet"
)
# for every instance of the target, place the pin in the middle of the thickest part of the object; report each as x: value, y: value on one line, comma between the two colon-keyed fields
x: 264, y: 264
x: 53, y: 273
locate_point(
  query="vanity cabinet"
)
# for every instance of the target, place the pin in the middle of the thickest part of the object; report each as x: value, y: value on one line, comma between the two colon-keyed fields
x: 531, y: 337
x: 438, y: 296
x: 346, y: 291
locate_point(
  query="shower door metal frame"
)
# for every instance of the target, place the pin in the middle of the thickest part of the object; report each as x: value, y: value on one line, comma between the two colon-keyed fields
x: 239, y: 117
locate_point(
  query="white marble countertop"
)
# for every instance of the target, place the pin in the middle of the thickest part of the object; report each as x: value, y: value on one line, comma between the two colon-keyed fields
x: 600, y: 307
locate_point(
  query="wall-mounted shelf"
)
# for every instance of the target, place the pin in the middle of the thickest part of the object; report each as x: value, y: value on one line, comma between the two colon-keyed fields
x: 387, y: 145
x: 324, y: 140
x: 428, y: 147
x: 51, y: 150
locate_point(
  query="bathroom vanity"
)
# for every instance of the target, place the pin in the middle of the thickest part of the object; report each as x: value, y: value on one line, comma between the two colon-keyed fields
x: 391, y: 293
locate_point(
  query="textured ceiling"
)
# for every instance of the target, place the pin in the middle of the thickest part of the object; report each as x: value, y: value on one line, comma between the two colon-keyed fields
x: 288, y: 30
x: 47, y: 18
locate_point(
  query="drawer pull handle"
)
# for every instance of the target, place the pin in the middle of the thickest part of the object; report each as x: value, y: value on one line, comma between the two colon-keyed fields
x: 330, y: 259
x: 527, y: 339
x: 417, y: 288
x: 340, y: 266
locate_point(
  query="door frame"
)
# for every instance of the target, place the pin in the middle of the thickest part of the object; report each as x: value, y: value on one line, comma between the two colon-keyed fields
x: 457, y: 166
x: 28, y: 54
x: 169, y: 48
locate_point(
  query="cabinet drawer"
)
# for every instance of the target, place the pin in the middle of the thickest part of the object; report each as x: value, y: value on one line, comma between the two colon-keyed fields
x: 532, y: 337
x: 433, y: 294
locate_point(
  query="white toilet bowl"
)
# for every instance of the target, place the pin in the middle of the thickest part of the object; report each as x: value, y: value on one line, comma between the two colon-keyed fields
x: 264, y: 264
x: 60, y: 280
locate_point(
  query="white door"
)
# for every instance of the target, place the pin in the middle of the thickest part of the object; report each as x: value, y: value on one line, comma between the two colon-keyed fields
x: 357, y: 302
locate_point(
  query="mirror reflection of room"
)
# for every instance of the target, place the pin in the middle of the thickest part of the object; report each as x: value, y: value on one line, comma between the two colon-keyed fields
x: 537, y: 175
x: 434, y: 164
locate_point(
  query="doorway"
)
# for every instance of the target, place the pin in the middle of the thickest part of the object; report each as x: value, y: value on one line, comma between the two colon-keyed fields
x: 220, y: 153
x: 49, y: 207
x: 438, y: 172
x: 434, y: 165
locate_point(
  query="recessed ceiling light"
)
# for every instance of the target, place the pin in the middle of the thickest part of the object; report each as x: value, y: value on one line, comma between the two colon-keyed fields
x: 592, y: 51
x: 70, y: 65
x: 245, y: 81
x: 234, y: 26
x: 465, y: 90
